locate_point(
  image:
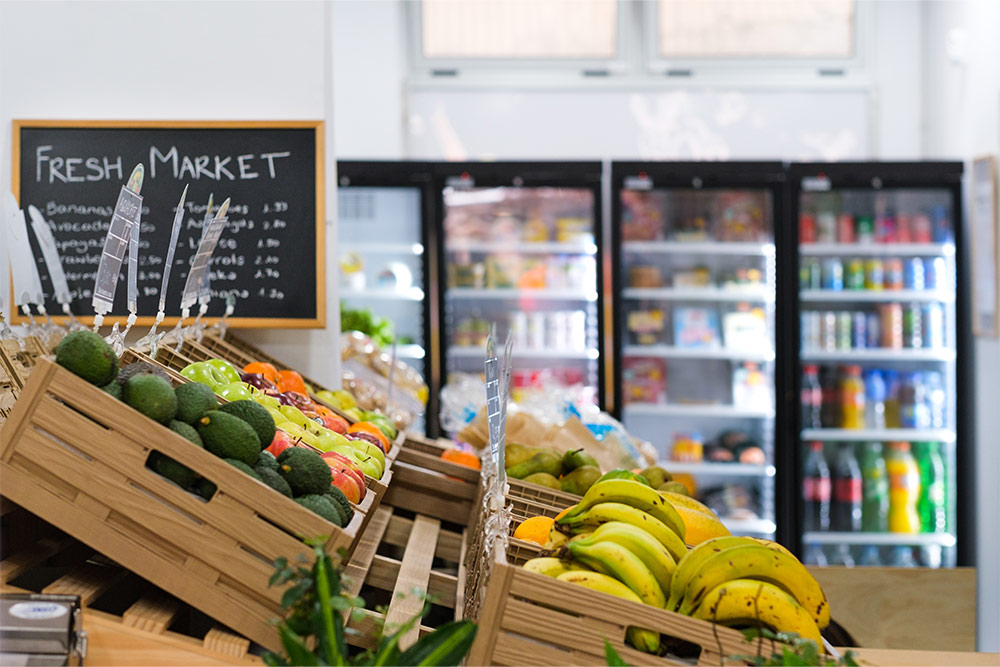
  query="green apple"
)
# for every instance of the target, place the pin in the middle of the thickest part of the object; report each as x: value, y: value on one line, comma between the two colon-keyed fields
x: 293, y: 414
x: 354, y: 414
x: 329, y: 439
x: 226, y: 368
x: 203, y: 373
x: 235, y: 391
x: 348, y: 451
x: 368, y: 449
x: 267, y: 401
x: 276, y: 415
x: 298, y: 433
x: 370, y: 467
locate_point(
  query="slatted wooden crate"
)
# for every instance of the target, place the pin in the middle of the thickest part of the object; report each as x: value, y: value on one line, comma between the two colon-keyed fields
x: 131, y: 356
x: 401, y: 552
x: 128, y: 621
x: 424, y: 482
x: 16, y: 362
x: 76, y: 457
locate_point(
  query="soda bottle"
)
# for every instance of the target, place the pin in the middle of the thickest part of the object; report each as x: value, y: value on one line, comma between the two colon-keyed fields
x: 830, y: 408
x: 852, y: 398
x: 812, y: 398
x: 874, y: 489
x: 892, y: 417
x: 874, y: 400
x: 913, y: 409
x: 845, y: 511
x: 932, y: 505
x: 904, y: 489
x: 845, y: 228
x: 936, y: 399
x: 816, y: 490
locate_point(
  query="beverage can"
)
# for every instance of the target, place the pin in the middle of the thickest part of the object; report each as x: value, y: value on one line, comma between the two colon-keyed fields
x: 865, y: 229
x: 844, y: 321
x: 812, y: 336
x: 891, y: 325
x: 807, y: 228
x: 833, y: 274
x: 893, y: 273
x: 933, y: 326
x: 913, y: 336
x: 811, y: 274
x: 934, y: 273
x: 921, y: 229
x: 873, y: 330
x: 913, y: 409
x: 845, y: 228
x: 874, y: 275
x: 826, y: 227
x: 828, y: 329
x: 902, y: 228
x: 885, y: 228
x: 942, y: 225
x: 913, y: 274
x: 859, y: 330
x: 855, y: 278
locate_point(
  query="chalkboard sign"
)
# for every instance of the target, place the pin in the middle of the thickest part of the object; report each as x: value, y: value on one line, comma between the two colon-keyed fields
x: 271, y: 255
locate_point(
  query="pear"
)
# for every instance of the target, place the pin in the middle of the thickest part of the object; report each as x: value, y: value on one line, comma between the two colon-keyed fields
x: 516, y: 453
x: 543, y: 479
x: 576, y: 458
x: 657, y: 476
x: 543, y: 461
x: 676, y: 487
x: 581, y: 479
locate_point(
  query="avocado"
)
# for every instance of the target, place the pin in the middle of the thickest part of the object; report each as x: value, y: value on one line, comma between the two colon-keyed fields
x: 186, y: 431
x: 256, y: 415
x: 204, y: 488
x: 577, y: 458
x: 320, y: 505
x: 274, y: 480
x: 581, y: 479
x: 193, y: 401
x: 113, y: 388
x: 152, y: 396
x: 177, y: 473
x: 140, y: 368
x: 544, y: 479
x: 337, y: 497
x: 88, y: 355
x: 239, y: 465
x: 267, y: 460
x: 305, y: 471
x: 229, y: 437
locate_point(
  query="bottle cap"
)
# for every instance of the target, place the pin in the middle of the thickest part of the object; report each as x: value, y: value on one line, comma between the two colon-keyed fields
x: 816, y: 446
x: 900, y: 446
x: 811, y: 369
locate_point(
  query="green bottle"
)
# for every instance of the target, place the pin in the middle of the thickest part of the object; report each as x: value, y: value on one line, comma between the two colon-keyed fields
x: 874, y: 489
x: 932, y: 505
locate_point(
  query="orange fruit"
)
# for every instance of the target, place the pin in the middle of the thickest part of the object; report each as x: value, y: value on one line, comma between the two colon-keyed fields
x: 462, y: 458
x: 291, y: 381
x: 536, y: 529
x: 688, y: 482
x: 372, y: 429
x: 269, y: 372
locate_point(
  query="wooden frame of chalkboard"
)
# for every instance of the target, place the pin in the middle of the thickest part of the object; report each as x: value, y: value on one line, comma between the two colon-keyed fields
x: 191, y: 159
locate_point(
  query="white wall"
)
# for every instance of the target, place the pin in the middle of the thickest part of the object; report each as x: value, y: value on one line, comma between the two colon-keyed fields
x: 166, y: 60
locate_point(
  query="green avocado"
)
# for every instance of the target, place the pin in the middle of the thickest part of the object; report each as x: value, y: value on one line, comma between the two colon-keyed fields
x: 152, y: 396
x: 337, y: 497
x: 239, y: 465
x: 322, y: 506
x: 113, y: 388
x: 186, y: 431
x: 88, y: 355
x: 140, y: 368
x: 305, y: 471
x: 267, y: 460
x: 274, y: 480
x: 229, y: 437
x: 193, y: 401
x: 256, y: 415
x: 205, y: 488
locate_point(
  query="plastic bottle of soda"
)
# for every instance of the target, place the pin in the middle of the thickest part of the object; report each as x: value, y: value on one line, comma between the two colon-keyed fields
x: 811, y: 398
x: 932, y: 504
x: 892, y: 417
x: 852, y: 398
x: 830, y: 408
x: 845, y: 511
x: 874, y: 400
x: 936, y: 399
x: 816, y: 489
x: 914, y: 411
x: 904, y: 489
x: 874, y: 489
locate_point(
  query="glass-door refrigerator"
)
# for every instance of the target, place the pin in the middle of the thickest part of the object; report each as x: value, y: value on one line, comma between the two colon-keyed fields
x: 520, y: 247
x: 882, y: 420
x: 384, y: 232
x: 695, y: 280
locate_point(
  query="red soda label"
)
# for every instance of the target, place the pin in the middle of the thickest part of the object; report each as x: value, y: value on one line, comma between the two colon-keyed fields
x: 807, y: 228
x: 816, y: 489
x: 847, y: 490
x: 845, y: 228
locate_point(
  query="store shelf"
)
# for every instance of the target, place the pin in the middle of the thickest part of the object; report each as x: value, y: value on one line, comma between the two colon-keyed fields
x: 881, y: 539
x: 479, y: 352
x: 755, y: 293
x: 389, y: 294
x: 694, y: 410
x: 672, y: 352
x: 382, y: 248
x: 516, y: 293
x: 719, y: 469
x: 879, y: 354
x: 857, y: 296
x: 878, y: 249
x: 883, y: 435
x: 524, y: 247
x: 699, y: 247
x: 755, y: 526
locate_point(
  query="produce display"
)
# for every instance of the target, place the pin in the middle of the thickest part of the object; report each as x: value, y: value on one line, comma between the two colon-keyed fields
x: 667, y: 550
x: 366, y: 371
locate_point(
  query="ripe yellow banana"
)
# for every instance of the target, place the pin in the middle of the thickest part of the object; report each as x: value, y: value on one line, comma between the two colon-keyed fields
x: 550, y: 567
x: 653, y: 554
x: 632, y: 493
x: 644, y: 640
x: 760, y: 563
x: 691, y: 563
x: 606, y: 512
x: 751, y: 602
x: 615, y: 560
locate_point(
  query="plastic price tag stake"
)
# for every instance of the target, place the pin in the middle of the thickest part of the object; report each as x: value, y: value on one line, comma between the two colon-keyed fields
x: 127, y: 212
x: 200, y: 265
x: 497, y: 384
x: 152, y: 339
x: 27, y: 284
x: 47, y: 242
x: 205, y: 289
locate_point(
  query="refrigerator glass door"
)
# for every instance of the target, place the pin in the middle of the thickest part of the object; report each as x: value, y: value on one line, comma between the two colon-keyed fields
x: 525, y: 259
x: 698, y: 313
x: 878, y: 332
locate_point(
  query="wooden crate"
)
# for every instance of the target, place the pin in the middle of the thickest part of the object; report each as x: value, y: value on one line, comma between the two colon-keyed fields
x: 16, y: 363
x: 128, y: 621
x: 530, y: 619
x: 76, y: 457
x: 400, y: 552
x: 423, y: 482
x: 131, y: 356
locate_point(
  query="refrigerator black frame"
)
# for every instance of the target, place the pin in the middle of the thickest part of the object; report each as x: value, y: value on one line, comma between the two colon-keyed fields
x: 410, y: 174
x: 528, y: 174
x: 873, y: 176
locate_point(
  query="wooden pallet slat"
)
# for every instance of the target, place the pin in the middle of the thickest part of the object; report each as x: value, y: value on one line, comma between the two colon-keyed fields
x: 414, y: 573
x: 153, y: 612
x: 88, y: 580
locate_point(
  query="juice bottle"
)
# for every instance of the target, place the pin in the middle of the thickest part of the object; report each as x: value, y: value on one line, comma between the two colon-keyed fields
x: 852, y: 398
x: 904, y: 489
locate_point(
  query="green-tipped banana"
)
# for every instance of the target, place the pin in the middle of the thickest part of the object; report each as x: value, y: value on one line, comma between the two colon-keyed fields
x: 751, y: 602
x: 763, y: 564
x: 653, y: 554
x: 617, y: 561
x: 550, y: 567
x: 632, y: 493
x: 607, y: 512
x: 644, y: 640
x: 690, y: 564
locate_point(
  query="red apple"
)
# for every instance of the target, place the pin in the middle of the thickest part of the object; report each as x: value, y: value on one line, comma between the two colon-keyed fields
x: 281, y: 442
x: 335, y: 424
x: 346, y: 483
x: 339, y: 462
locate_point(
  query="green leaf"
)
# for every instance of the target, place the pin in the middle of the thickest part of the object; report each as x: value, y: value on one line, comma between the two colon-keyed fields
x: 296, y: 651
x: 611, y: 656
x: 445, y: 646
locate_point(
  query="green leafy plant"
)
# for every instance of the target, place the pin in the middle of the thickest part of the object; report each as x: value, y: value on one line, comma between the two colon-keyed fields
x: 795, y: 650
x: 611, y: 656
x: 377, y: 328
x: 314, y: 630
